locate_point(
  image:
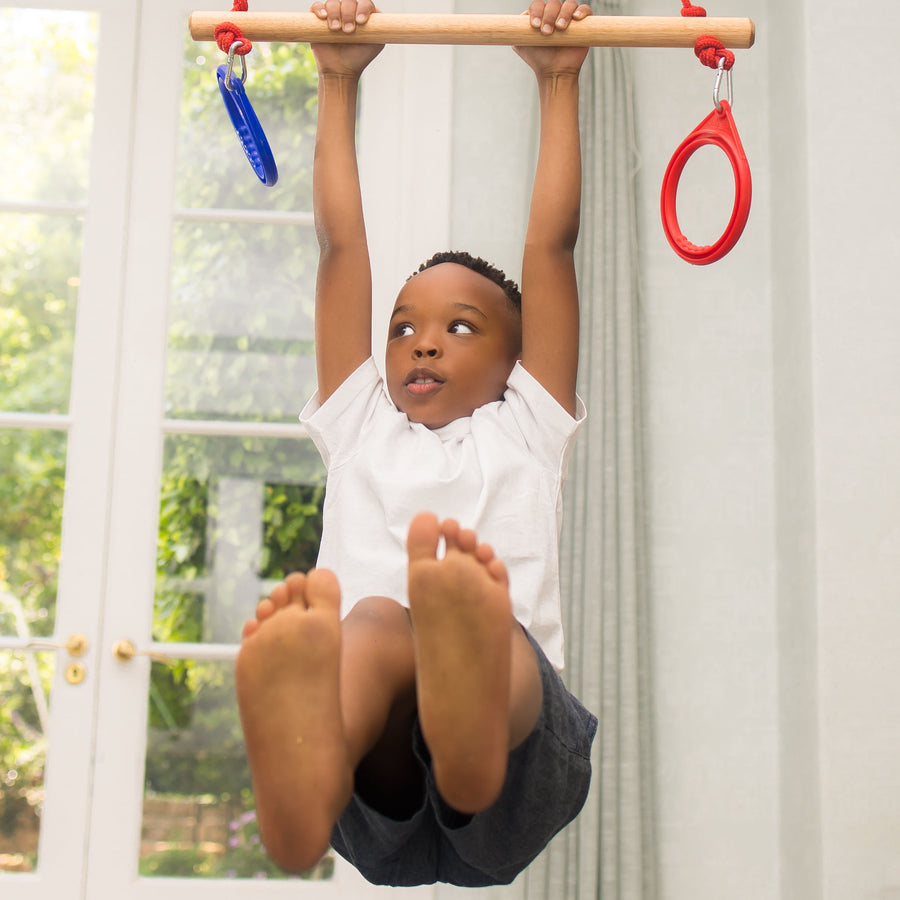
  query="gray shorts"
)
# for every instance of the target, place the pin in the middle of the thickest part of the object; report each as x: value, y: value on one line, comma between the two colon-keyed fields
x: 546, y: 785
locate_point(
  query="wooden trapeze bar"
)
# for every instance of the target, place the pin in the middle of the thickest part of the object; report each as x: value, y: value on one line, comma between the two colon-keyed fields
x: 425, y: 28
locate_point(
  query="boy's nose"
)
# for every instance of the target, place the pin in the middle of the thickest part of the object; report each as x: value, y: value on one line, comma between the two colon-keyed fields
x: 426, y: 351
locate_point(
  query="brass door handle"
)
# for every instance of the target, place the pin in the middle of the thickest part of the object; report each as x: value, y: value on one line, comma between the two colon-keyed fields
x: 125, y: 650
x: 76, y: 644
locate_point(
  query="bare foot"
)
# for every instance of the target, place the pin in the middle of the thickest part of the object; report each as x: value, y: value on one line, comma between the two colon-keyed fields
x: 462, y: 629
x: 287, y: 688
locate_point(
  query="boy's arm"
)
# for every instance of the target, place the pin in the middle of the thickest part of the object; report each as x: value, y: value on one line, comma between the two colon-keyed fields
x: 344, y: 280
x: 549, y: 289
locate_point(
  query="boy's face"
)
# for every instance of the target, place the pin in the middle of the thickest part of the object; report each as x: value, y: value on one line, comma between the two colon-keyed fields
x: 453, y: 339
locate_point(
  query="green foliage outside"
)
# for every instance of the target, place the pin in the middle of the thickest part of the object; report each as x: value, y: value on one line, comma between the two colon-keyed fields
x: 242, y: 858
x: 194, y: 742
x: 45, y: 133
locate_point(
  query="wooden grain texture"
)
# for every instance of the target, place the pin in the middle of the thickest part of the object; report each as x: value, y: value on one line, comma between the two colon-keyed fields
x: 421, y: 28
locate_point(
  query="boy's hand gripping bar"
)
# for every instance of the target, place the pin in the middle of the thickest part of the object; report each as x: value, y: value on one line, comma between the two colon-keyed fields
x: 422, y: 28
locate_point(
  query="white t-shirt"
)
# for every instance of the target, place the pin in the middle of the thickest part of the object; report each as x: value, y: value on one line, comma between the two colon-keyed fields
x: 499, y: 471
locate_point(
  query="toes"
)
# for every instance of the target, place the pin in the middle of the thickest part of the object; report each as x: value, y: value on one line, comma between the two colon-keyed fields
x: 322, y: 589
x: 424, y: 538
x: 484, y: 553
x: 278, y: 598
x: 456, y: 538
x: 449, y: 530
x: 264, y: 609
x: 497, y: 571
x: 291, y: 590
x: 318, y: 588
x: 467, y: 541
x: 424, y: 535
x: 251, y: 626
x: 296, y: 589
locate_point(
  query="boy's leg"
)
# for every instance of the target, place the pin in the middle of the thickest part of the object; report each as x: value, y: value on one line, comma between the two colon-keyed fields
x: 318, y: 700
x: 478, y: 682
x: 287, y: 679
x: 378, y: 698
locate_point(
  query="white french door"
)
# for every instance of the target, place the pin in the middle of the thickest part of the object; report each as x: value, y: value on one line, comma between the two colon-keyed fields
x: 63, y: 209
x: 156, y: 345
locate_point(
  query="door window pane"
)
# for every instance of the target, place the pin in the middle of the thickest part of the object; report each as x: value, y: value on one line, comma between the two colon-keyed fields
x: 236, y: 514
x: 39, y: 266
x: 47, y: 103
x: 198, y: 818
x: 32, y: 480
x: 25, y: 680
x: 241, y: 321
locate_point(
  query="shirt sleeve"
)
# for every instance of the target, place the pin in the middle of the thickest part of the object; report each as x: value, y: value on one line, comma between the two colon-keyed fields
x: 335, y: 426
x: 547, y: 427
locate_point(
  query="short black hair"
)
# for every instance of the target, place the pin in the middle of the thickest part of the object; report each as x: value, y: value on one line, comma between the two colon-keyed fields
x: 479, y: 265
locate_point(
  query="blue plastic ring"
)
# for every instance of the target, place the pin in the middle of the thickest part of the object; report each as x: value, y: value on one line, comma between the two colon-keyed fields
x: 248, y: 129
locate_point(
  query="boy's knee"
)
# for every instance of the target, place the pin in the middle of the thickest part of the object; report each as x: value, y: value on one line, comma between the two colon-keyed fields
x: 379, y: 610
x: 379, y: 621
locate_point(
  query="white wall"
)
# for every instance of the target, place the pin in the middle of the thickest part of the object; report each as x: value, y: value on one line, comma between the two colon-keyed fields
x: 854, y: 145
x: 773, y: 429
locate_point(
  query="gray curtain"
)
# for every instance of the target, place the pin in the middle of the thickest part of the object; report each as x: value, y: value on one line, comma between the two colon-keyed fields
x: 609, y: 852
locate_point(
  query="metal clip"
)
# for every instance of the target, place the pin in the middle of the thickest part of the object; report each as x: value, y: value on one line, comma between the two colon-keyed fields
x: 721, y: 69
x: 231, y: 51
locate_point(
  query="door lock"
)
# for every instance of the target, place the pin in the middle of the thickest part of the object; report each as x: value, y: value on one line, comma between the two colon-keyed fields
x: 75, y: 673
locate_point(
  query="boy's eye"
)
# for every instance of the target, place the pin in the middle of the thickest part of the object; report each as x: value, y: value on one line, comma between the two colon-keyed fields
x: 461, y: 328
x: 404, y: 330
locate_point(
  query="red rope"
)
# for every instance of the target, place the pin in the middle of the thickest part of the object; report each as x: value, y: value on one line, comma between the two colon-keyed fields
x: 708, y: 49
x: 226, y: 33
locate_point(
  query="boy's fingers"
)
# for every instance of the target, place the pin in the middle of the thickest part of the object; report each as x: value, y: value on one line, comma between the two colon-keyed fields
x: 341, y: 16
x: 333, y: 13
x: 571, y: 9
x: 348, y: 17
x: 550, y: 17
x: 364, y: 9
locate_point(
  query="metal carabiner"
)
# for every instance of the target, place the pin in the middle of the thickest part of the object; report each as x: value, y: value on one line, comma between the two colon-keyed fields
x: 720, y: 70
x: 228, y: 72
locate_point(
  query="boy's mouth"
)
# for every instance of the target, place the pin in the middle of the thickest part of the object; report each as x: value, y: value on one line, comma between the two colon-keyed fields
x: 423, y: 381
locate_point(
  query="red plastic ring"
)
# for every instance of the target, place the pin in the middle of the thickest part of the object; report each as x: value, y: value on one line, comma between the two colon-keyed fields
x: 717, y: 129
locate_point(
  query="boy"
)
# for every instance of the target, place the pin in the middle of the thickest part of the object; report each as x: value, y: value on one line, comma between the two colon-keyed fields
x: 402, y: 701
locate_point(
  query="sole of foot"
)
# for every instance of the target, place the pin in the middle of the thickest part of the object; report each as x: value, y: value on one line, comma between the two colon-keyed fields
x: 287, y: 679
x: 462, y: 630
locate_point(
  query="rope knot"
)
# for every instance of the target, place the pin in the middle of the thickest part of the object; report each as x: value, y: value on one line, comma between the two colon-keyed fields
x: 688, y: 9
x: 709, y: 50
x: 226, y: 33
